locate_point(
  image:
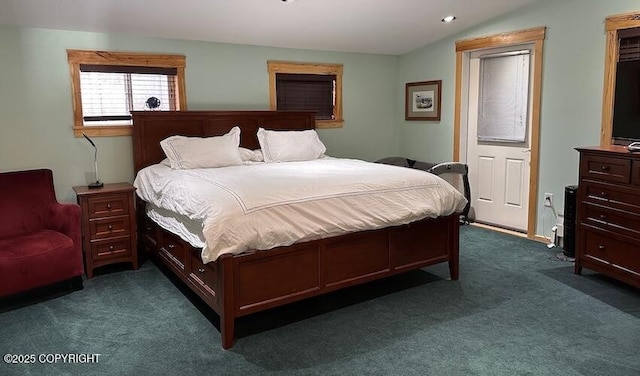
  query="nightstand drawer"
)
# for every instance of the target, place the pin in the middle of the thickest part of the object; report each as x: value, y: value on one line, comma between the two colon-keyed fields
x: 111, y: 248
x: 109, y: 227
x: 108, y: 206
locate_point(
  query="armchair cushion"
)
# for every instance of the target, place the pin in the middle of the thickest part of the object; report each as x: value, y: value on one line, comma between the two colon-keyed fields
x: 35, y: 259
x: 24, y: 200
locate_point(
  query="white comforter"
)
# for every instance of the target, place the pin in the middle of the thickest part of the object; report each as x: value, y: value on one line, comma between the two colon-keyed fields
x: 265, y: 205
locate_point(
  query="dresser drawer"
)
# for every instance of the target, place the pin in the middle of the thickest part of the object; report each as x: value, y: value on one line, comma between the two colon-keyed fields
x: 108, y: 206
x: 109, y: 227
x: 617, y: 170
x: 111, y: 248
x: 611, y: 250
x: 618, y: 197
x: 635, y: 173
x: 621, y: 222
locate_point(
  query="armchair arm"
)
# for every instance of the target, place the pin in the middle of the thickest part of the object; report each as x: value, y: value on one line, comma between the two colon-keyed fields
x: 65, y: 218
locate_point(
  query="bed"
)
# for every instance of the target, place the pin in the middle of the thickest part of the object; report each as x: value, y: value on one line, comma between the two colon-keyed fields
x: 241, y: 283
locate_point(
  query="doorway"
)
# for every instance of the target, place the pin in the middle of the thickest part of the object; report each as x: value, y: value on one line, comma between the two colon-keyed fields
x: 503, y: 162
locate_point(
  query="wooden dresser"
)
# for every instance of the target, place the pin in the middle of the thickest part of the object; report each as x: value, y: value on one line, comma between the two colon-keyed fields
x: 608, y: 213
x: 108, y: 225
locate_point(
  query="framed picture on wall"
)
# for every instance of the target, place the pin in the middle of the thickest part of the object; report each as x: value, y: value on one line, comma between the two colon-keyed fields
x: 422, y: 100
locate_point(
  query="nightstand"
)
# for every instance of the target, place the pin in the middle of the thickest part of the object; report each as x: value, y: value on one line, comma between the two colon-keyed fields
x: 108, y: 225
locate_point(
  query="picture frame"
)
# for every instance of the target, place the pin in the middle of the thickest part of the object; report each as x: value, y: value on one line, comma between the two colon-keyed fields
x: 422, y: 100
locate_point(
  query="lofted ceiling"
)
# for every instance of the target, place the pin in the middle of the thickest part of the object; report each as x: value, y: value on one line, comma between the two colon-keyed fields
x: 391, y: 27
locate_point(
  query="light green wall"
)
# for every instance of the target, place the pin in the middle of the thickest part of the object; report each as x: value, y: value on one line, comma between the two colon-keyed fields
x: 36, y: 112
x: 572, y: 82
x: 36, y: 116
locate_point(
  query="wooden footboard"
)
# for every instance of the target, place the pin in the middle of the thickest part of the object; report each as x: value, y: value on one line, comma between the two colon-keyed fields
x: 239, y: 285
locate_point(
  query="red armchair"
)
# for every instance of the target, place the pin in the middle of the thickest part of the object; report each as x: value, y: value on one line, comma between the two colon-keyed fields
x: 40, y: 239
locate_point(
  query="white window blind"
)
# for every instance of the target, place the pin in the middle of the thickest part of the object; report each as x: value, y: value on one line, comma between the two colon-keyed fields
x: 503, y: 97
x: 109, y: 93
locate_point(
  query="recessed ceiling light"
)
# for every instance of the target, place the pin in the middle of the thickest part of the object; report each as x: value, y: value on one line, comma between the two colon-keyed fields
x: 446, y: 19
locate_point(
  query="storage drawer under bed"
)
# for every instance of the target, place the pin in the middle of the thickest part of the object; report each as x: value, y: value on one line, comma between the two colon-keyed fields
x: 174, y: 250
x: 204, y: 277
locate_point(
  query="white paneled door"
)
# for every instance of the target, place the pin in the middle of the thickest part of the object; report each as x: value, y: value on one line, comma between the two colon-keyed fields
x: 498, y: 139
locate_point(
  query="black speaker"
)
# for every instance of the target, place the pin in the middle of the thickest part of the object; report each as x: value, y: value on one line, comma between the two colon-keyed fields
x: 570, y: 203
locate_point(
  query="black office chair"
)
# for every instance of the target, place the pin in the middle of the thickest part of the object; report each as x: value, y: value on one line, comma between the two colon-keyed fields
x: 438, y: 169
x: 457, y: 168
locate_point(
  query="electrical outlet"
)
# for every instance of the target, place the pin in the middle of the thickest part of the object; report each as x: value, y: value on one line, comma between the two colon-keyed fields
x: 548, y: 200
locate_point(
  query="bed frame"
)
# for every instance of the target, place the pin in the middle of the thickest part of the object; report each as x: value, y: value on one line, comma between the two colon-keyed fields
x: 239, y: 285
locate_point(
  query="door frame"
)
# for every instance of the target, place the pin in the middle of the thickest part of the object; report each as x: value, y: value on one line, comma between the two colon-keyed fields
x: 464, y: 48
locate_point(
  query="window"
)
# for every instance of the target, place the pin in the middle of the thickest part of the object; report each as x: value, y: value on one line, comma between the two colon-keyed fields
x: 107, y: 86
x: 503, y: 97
x: 307, y: 86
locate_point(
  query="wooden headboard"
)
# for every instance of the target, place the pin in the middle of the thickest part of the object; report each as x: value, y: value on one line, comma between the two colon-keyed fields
x: 151, y: 127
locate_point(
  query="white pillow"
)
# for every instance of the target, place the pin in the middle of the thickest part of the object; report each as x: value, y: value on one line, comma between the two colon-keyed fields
x: 257, y: 155
x: 245, y: 154
x: 248, y: 155
x: 198, y: 152
x: 285, y: 146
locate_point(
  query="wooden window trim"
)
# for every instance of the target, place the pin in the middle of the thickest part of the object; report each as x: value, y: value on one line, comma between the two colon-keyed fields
x: 613, y: 25
x: 274, y: 67
x: 77, y: 57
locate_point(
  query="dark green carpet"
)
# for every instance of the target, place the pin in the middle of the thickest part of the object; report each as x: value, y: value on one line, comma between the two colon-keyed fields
x: 516, y: 310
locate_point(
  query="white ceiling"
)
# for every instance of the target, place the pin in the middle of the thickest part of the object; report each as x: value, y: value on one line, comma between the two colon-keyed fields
x: 371, y: 26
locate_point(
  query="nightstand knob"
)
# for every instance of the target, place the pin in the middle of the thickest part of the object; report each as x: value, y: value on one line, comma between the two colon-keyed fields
x: 111, y: 248
x: 601, y: 247
x: 605, y: 168
x: 109, y: 206
x: 171, y: 246
x: 603, y: 194
x: 201, y: 270
x: 110, y: 227
x: 602, y: 216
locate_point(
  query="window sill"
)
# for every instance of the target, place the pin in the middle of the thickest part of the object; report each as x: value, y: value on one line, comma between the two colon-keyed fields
x: 108, y: 131
x: 320, y: 124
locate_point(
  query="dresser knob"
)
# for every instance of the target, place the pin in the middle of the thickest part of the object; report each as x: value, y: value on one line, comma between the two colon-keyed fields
x: 110, y: 227
x: 109, y: 206
x: 603, y: 194
x: 111, y: 248
x: 602, y: 216
x: 171, y: 246
x: 605, y: 168
x: 601, y: 247
x: 201, y: 270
